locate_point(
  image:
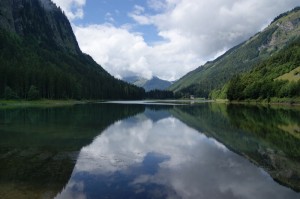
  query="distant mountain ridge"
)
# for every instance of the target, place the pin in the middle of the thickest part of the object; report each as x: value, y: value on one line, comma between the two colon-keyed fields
x: 242, y: 58
x: 136, y: 80
x: 154, y: 83
x: 40, y: 57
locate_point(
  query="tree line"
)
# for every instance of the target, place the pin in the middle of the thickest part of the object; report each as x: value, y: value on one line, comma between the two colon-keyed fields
x: 29, y: 71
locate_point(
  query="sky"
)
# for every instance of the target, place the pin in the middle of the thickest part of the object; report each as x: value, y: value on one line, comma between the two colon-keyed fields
x: 165, y: 38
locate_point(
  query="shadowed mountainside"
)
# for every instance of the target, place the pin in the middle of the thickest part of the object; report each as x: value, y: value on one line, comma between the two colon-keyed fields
x: 40, y: 57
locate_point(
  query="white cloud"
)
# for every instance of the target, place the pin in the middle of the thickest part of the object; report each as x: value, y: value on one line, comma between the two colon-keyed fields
x: 138, y: 16
x: 109, y: 17
x: 191, y: 165
x: 138, y: 9
x: 156, y: 5
x: 72, y: 8
x: 192, y: 32
x: 212, y: 26
x: 116, y: 49
x: 124, y: 53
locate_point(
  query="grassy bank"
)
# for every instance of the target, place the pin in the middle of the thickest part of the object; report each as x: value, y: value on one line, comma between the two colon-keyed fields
x: 39, y: 103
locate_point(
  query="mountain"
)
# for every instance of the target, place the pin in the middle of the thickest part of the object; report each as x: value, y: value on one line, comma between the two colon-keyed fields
x: 136, y: 80
x: 242, y: 58
x: 40, y: 57
x: 154, y: 83
x: 277, y: 76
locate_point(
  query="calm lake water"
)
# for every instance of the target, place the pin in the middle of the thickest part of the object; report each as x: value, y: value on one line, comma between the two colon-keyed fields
x: 112, y: 150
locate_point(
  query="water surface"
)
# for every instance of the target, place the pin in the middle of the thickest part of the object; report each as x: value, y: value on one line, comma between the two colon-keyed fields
x: 150, y: 151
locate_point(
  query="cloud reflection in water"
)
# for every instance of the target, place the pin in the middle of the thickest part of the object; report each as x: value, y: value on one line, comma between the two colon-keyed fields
x: 141, y: 157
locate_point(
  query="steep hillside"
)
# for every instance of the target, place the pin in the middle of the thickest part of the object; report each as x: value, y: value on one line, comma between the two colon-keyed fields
x: 283, y: 30
x: 293, y: 75
x: 40, y: 57
x: 154, y: 83
x: 278, y: 76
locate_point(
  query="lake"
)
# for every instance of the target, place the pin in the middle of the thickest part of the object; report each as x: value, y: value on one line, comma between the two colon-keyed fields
x: 141, y: 150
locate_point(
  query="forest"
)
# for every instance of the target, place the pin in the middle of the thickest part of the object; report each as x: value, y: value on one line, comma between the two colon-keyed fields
x: 262, y: 81
x: 40, y: 58
x: 29, y: 71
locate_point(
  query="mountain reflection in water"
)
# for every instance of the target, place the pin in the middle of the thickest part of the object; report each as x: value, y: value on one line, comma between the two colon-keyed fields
x: 156, y: 155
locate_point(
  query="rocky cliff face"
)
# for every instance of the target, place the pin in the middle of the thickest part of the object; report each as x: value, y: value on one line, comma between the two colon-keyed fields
x: 40, y: 20
x: 286, y: 27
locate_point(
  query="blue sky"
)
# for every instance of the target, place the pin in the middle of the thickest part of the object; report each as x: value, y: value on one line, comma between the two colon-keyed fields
x: 117, y: 12
x: 165, y: 38
x: 97, y: 11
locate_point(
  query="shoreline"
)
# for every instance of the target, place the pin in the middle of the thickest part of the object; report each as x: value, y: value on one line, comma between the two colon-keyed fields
x: 50, y: 102
x: 286, y: 102
x: 56, y: 103
x: 40, y: 103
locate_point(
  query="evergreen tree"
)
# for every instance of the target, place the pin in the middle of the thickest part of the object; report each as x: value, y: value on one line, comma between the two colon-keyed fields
x: 33, y: 93
x: 10, y: 94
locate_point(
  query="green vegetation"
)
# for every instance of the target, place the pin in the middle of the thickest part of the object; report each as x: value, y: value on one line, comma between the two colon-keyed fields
x: 159, y: 94
x: 41, y: 103
x: 293, y: 75
x: 33, y: 93
x: 42, y: 60
x: 263, y: 82
x: 9, y: 93
x: 54, y: 74
x: 219, y: 94
x: 268, y: 136
x: 242, y: 58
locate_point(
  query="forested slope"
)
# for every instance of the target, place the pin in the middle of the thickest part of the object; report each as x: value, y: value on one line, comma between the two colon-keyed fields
x: 264, y: 82
x: 242, y: 58
x: 40, y: 57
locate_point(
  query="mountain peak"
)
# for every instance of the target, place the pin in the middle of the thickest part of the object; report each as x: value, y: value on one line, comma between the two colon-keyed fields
x: 155, y: 83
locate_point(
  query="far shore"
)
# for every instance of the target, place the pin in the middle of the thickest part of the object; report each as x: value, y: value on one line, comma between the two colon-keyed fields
x: 69, y: 102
